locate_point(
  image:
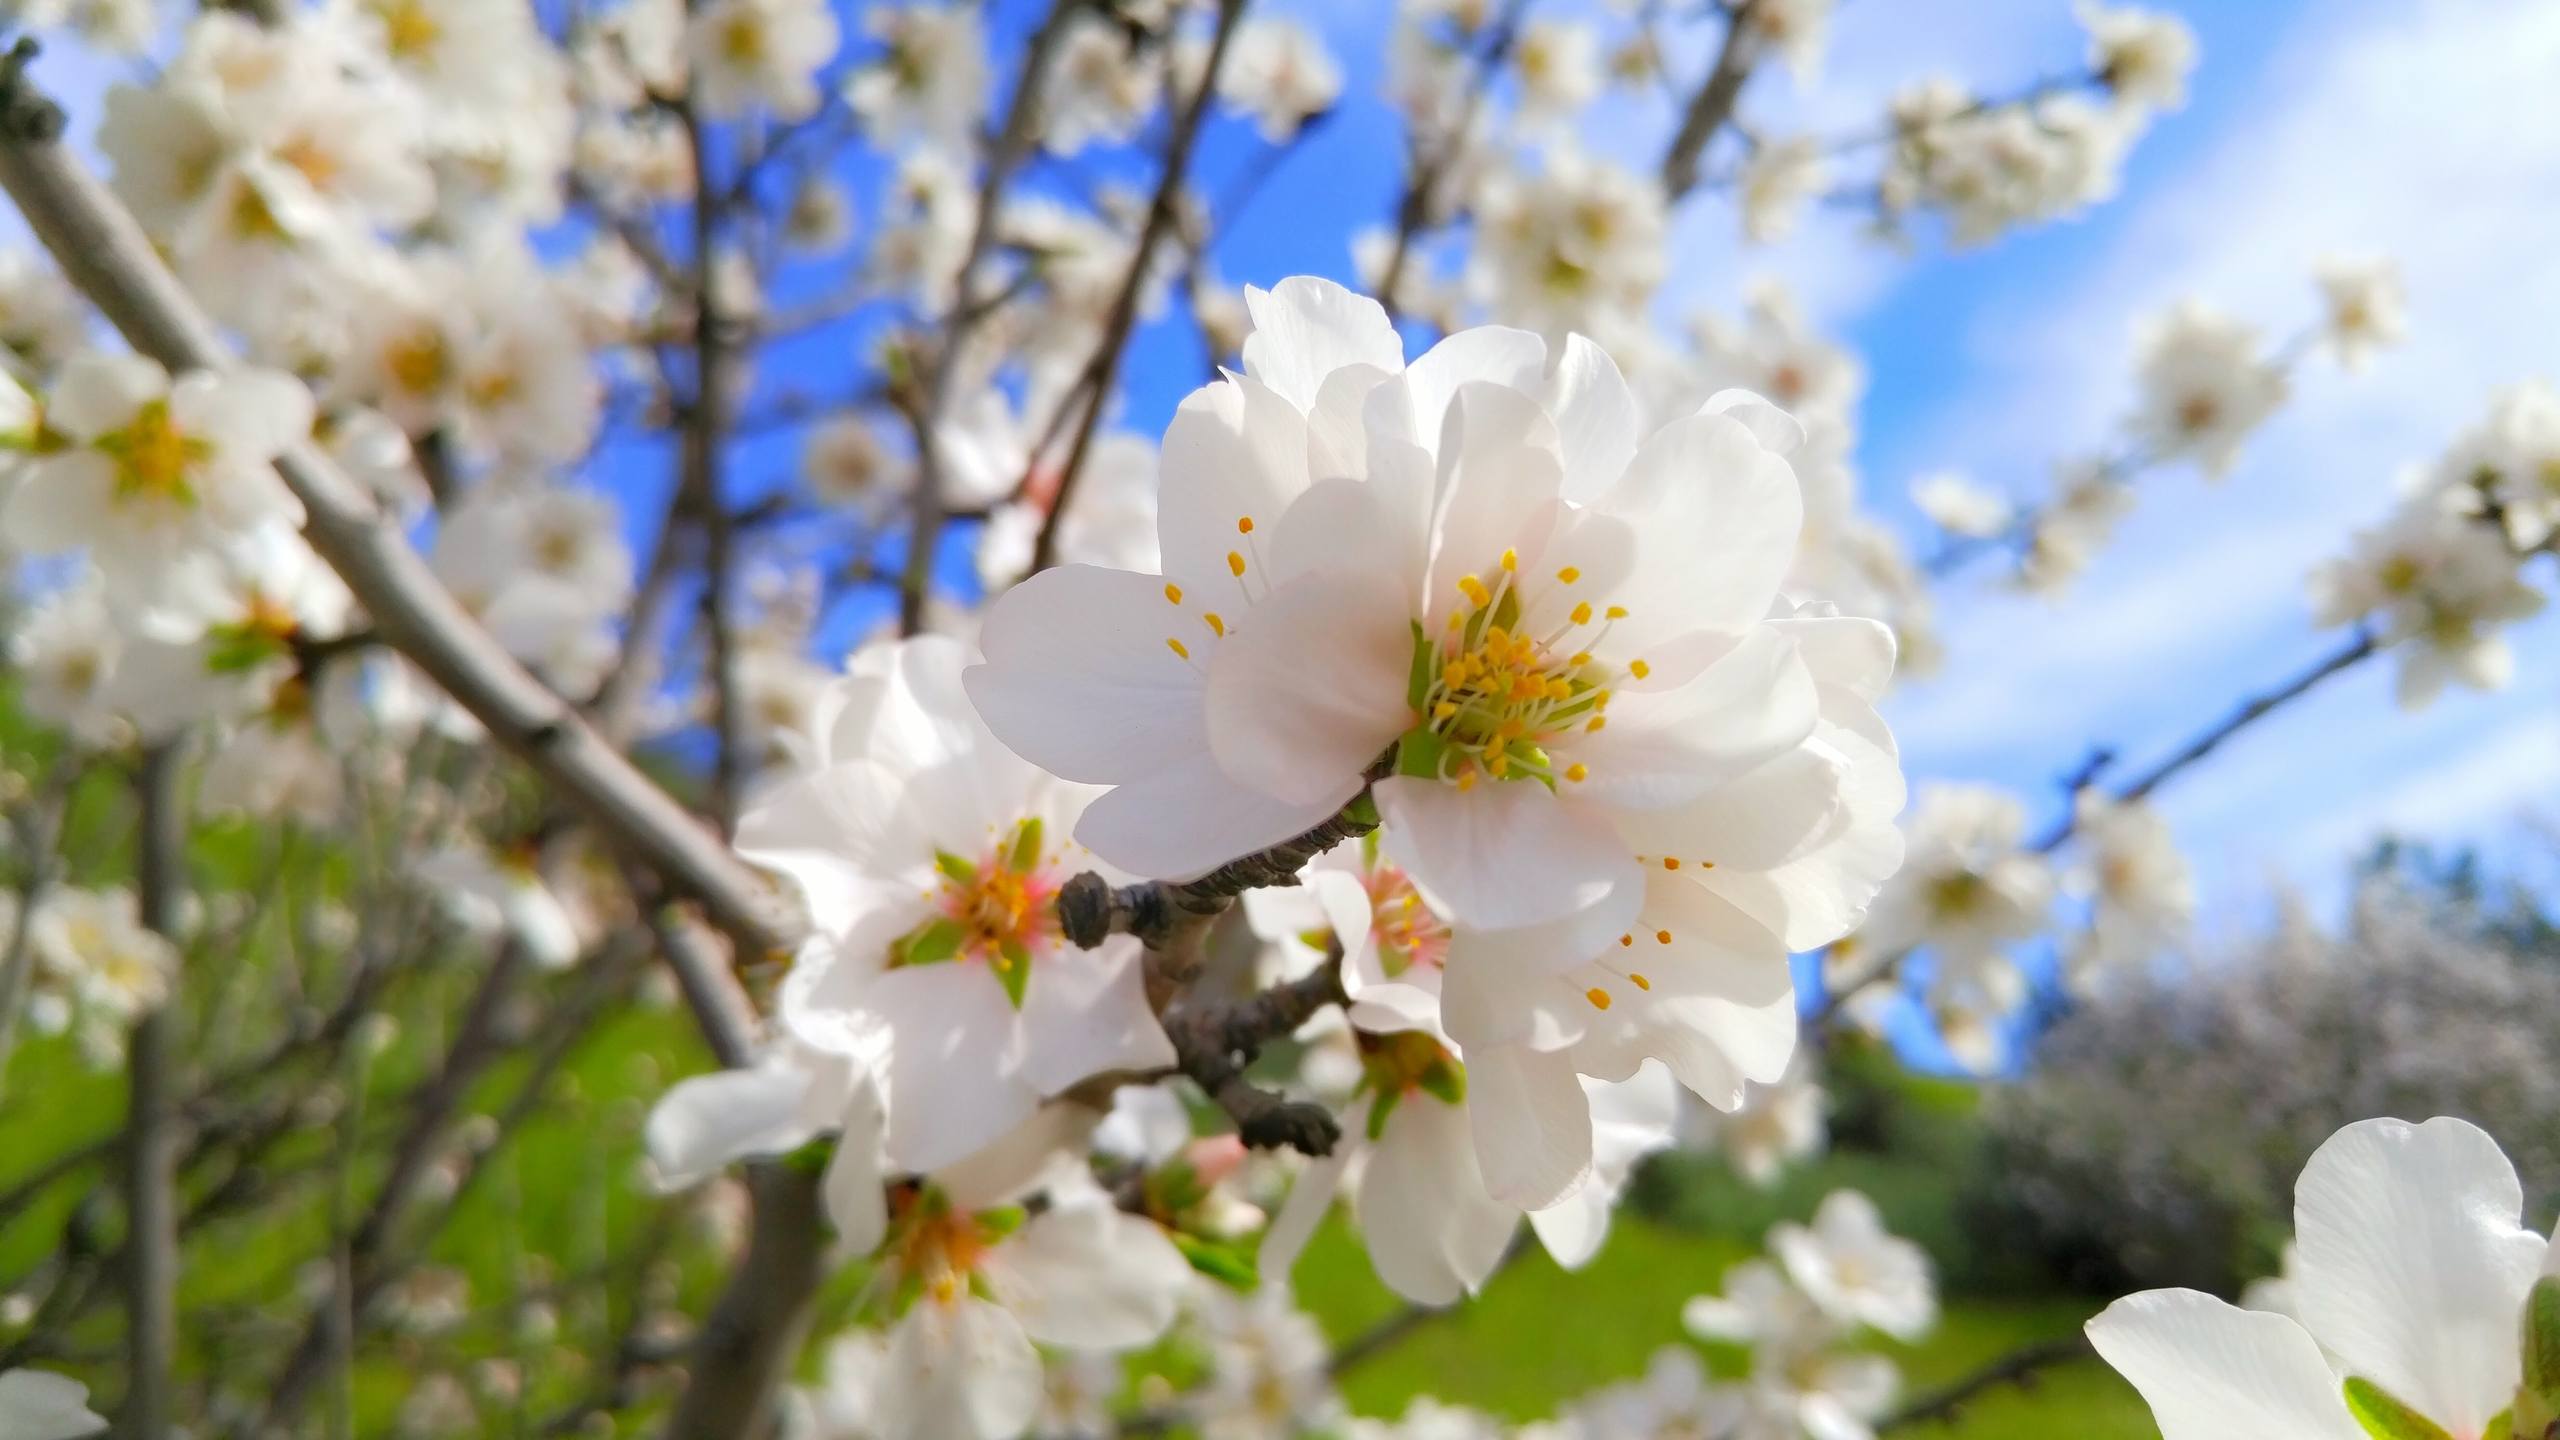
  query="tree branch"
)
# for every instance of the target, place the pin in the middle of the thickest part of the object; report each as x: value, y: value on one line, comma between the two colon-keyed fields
x: 705, y: 426
x: 2019, y: 1367
x: 1712, y: 105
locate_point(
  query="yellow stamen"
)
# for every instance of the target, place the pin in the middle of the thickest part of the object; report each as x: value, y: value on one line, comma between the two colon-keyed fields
x: 1443, y: 710
x: 1669, y: 863
x: 1617, y: 612
x: 1235, y: 564
x: 1178, y: 647
x: 1568, y: 574
x: 1582, y: 613
x: 1473, y: 589
x: 1639, y: 669
x: 1641, y: 982
x: 1598, y: 997
x: 1596, y: 722
x: 1466, y: 781
x: 1244, y: 524
x: 1173, y: 593
x: 1661, y: 937
x: 1627, y: 940
x: 1511, y: 560
x: 1577, y: 771
x: 1215, y: 623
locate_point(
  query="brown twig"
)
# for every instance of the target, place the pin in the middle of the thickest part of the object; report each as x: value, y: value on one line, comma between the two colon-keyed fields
x: 2019, y: 1367
x: 1712, y: 105
x: 1104, y: 368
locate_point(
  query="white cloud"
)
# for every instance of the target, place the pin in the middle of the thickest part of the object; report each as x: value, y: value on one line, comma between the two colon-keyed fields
x: 2427, y: 132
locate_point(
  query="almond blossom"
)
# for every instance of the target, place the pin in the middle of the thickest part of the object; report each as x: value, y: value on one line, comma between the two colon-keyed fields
x: 39, y: 1405
x: 929, y: 859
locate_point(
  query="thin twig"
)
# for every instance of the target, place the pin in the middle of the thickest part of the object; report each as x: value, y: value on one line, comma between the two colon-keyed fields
x: 1104, y: 368
x: 705, y: 425
x: 2019, y: 1367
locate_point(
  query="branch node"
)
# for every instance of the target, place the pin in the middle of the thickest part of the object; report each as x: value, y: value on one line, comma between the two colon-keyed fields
x: 26, y: 114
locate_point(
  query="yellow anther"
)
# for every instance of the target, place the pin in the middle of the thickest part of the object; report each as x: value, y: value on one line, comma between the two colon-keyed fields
x: 1706, y: 864
x: 1601, y: 703
x: 1670, y: 863
x: 1627, y: 940
x: 1475, y: 592
x: 1499, y: 764
x: 1244, y: 524
x: 1580, y: 659
x: 1511, y: 560
x: 1558, y: 690
x: 1178, y: 647
x: 1495, y: 637
x: 1596, y: 722
x: 1582, y: 613
x: 1173, y: 593
x: 1639, y: 669
x: 1511, y: 729
x: 1444, y: 710
x: 1577, y: 771
x: 1641, y: 983
x: 1466, y: 781
x: 1456, y: 620
x: 1617, y: 612
x: 1598, y: 997
x: 1235, y: 564
x: 1215, y: 623
x: 1568, y: 574
x: 1661, y: 937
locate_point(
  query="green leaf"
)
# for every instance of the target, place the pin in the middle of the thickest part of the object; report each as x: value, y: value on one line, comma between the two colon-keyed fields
x: 955, y: 867
x: 1446, y: 1081
x: 235, y: 650
x: 1379, y: 1110
x: 1419, y: 753
x: 1417, y: 678
x: 1363, y: 811
x: 930, y: 943
x: 2386, y: 1418
x: 1024, y: 855
x: 1013, y: 967
x: 1229, y: 1265
x: 1001, y: 1221
x: 2542, y: 1341
x: 1174, y: 1187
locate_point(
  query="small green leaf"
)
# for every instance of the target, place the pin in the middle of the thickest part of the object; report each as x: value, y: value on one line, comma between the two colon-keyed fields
x: 1446, y: 1081
x: 1024, y: 855
x: 930, y: 943
x: 1363, y: 811
x: 1013, y: 967
x: 955, y: 867
x: 1380, y: 1109
x: 2542, y: 1341
x: 2386, y: 1418
x: 241, y: 649
x: 1417, y: 679
x: 1227, y: 1264
x: 1419, y: 753
x: 1001, y: 1221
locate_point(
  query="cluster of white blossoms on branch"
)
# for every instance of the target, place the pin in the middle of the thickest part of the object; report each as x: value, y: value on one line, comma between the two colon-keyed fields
x: 1533, y: 653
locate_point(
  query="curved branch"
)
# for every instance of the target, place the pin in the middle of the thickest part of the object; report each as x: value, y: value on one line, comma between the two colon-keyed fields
x: 1712, y: 105
x: 2019, y: 1367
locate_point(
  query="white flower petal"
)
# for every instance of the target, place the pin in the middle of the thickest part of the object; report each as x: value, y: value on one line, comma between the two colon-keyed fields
x: 1085, y: 1012
x: 1190, y: 817
x: 1085, y: 1276
x: 2413, y: 1268
x: 1503, y: 855
x: 961, y: 1370
x: 1305, y: 328
x: 2214, y: 1372
x: 1078, y: 679
x: 1532, y: 1124
x: 1313, y: 690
